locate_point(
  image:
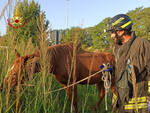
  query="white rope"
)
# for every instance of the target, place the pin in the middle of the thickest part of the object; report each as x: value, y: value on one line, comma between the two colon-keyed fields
x: 75, y: 82
x: 107, y: 83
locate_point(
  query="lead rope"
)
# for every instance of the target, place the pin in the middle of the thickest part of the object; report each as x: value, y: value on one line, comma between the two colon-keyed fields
x: 75, y: 82
x: 107, y: 83
x: 134, y: 85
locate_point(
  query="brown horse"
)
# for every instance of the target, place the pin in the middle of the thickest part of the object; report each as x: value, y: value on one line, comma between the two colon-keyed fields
x: 59, y: 62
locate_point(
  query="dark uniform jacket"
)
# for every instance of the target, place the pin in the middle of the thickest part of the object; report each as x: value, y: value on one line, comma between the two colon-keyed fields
x: 137, y: 51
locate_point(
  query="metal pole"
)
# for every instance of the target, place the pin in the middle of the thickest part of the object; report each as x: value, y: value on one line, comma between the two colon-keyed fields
x: 67, y: 9
x: 57, y: 37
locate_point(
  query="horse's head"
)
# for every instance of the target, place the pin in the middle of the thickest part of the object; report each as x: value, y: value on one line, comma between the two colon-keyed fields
x: 17, y: 72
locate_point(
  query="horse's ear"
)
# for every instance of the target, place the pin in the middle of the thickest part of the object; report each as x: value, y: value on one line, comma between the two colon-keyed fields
x: 17, y: 54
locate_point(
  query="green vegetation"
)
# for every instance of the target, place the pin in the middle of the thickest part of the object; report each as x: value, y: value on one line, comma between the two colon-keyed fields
x: 30, y: 11
x: 140, y: 17
x: 94, y: 37
x: 35, y: 96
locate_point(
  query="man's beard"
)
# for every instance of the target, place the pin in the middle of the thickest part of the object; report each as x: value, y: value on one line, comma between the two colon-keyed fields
x: 118, y: 40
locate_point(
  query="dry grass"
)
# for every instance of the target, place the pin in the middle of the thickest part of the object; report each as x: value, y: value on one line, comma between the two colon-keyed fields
x: 33, y: 98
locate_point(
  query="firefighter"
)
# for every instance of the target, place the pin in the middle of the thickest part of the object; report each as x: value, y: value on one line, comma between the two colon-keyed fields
x: 129, y: 49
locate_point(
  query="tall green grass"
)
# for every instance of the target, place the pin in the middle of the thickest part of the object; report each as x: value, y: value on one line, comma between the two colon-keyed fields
x: 34, y: 97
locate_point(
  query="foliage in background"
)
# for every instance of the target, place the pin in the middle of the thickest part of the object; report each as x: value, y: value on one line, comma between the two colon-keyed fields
x: 30, y: 11
x: 141, y: 19
x: 83, y: 36
x: 95, y: 38
x: 92, y: 38
x: 100, y: 39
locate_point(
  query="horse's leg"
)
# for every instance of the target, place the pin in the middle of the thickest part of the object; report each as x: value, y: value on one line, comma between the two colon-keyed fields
x: 72, y: 94
x: 101, y: 90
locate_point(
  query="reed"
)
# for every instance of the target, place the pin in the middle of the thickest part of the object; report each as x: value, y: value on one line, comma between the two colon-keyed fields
x: 33, y: 97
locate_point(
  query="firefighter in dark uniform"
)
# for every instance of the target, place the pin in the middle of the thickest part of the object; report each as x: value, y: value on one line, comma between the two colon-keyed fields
x: 129, y: 49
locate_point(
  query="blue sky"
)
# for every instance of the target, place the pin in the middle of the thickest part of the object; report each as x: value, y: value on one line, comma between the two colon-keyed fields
x: 82, y: 13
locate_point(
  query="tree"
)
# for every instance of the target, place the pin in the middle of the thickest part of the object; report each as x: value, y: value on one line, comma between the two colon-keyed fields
x: 30, y: 11
x: 140, y: 17
x: 76, y: 33
x: 100, y: 39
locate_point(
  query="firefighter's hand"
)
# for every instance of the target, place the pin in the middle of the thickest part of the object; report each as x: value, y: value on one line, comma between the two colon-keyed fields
x: 106, y: 68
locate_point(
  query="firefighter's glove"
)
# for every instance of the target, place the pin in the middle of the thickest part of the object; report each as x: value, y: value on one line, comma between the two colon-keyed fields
x: 106, y: 68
